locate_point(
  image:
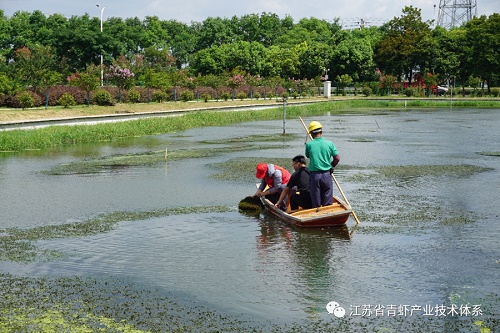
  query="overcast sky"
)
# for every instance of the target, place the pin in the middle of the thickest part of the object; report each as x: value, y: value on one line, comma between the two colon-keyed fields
x: 187, y: 11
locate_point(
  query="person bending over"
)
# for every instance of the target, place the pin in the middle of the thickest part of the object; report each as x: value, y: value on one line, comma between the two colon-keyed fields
x: 274, y: 177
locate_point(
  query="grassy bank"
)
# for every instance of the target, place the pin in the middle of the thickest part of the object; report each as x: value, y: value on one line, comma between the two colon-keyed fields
x: 17, y: 140
x: 57, y: 112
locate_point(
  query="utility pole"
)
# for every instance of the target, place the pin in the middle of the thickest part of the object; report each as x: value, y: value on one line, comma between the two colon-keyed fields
x: 102, y: 68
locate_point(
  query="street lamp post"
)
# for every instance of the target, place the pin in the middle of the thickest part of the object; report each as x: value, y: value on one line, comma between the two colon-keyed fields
x: 102, y: 68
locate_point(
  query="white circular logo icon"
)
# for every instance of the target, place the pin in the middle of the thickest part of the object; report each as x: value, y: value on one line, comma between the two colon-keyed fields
x: 335, y: 309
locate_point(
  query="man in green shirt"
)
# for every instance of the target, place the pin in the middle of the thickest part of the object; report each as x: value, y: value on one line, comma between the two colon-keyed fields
x: 323, y: 156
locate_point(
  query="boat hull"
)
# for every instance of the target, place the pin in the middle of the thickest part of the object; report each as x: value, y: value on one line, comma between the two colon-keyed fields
x: 336, y: 214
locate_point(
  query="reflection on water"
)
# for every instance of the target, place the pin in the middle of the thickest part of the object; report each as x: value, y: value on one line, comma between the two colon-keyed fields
x: 314, y: 254
x: 425, y: 237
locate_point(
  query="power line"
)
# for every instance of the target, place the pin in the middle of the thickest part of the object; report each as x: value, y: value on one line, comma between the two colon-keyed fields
x: 361, y: 22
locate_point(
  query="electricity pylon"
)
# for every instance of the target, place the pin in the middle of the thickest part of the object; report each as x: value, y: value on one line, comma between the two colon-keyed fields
x: 454, y: 13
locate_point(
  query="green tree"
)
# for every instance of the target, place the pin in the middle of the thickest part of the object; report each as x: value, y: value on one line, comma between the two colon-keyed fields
x: 154, y: 35
x: 453, y: 56
x: 386, y: 84
x: 449, y: 49
x: 315, y: 59
x: 483, y: 35
x: 212, y: 60
x: 253, y: 81
x: 343, y: 81
x: 274, y: 83
x: 87, y: 80
x: 283, y: 62
x: 8, y: 86
x: 5, y: 46
x: 133, y: 29
x: 38, y: 24
x: 159, y: 60
x: 81, y: 44
x: 115, y: 38
x: 247, y: 56
x: 182, y: 41
x: 249, y: 28
x: 353, y: 56
x: 20, y: 32
x: 154, y: 79
x: 405, y: 47
x: 35, y: 67
x: 213, y: 81
x: 55, y: 24
x: 430, y: 81
x: 270, y: 28
x: 215, y: 31
x: 307, y: 30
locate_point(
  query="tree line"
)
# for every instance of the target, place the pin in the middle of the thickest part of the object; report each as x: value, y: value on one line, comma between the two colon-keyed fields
x: 40, y: 52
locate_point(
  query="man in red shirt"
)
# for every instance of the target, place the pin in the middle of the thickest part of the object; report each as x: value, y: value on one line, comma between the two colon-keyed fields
x: 274, y: 177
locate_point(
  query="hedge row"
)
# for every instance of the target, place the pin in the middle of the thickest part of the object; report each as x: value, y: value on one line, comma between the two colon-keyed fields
x: 139, y: 95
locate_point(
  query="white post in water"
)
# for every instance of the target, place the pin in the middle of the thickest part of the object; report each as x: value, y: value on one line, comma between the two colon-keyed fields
x: 284, y: 115
x: 451, y: 95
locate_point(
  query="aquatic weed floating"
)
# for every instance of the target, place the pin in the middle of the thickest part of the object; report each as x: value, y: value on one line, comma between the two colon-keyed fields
x: 250, y: 204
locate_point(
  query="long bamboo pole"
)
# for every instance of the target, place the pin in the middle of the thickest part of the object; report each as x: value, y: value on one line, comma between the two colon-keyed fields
x: 334, y: 179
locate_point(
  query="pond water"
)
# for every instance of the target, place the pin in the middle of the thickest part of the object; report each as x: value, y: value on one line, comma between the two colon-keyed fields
x: 424, y: 183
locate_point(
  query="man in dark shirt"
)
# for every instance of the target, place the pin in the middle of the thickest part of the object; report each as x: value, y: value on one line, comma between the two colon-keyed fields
x: 299, y: 182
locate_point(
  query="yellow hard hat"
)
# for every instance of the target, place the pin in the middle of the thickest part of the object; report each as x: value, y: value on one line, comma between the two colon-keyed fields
x: 314, y: 126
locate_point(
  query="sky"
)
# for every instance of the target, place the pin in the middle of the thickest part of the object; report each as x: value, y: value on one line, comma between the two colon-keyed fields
x: 373, y: 12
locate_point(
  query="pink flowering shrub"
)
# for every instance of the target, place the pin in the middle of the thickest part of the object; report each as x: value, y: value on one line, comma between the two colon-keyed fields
x: 235, y: 81
x: 123, y: 78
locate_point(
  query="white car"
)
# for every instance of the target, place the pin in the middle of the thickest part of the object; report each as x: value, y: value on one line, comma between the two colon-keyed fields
x: 441, y: 90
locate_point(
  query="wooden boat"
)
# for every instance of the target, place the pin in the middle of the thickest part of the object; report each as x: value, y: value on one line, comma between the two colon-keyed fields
x: 325, y: 216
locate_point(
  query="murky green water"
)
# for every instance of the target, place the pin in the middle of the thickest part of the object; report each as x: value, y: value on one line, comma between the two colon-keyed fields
x: 424, y: 184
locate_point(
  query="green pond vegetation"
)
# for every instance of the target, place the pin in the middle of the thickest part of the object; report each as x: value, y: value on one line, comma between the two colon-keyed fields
x: 111, y: 304
x: 385, y: 193
x: 360, y: 140
x: 158, y: 157
x: 402, y: 171
x: 275, y: 137
x: 149, y: 158
x: 20, y: 244
x: 490, y: 153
